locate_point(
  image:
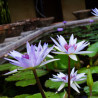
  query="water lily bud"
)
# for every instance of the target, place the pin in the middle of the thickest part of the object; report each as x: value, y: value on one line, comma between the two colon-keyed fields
x: 89, y: 79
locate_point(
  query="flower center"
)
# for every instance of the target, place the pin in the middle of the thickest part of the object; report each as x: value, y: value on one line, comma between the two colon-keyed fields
x: 66, y: 46
x: 25, y: 56
x: 64, y: 78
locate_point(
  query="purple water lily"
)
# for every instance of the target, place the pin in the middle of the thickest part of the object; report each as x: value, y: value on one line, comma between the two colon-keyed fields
x: 60, y: 29
x: 70, y: 49
x: 34, y: 57
x: 64, y: 22
x: 74, y: 77
x: 91, y: 21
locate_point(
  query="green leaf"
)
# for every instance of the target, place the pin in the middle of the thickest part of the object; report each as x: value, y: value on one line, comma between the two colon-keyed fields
x: 62, y: 63
x: 22, y: 96
x: 94, y: 89
x: 55, y: 85
x: 25, y: 74
x: 24, y: 83
x: 84, y: 70
x: 48, y: 95
x: 3, y: 97
x: 93, y: 97
x: 41, y: 72
x: 4, y: 67
x: 52, y: 85
x: 94, y: 48
x: 89, y: 78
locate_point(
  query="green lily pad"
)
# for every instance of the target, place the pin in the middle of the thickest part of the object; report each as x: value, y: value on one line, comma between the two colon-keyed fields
x: 25, y: 74
x: 3, y: 97
x: 62, y: 63
x: 94, y: 48
x: 93, y: 69
x: 55, y: 85
x: 94, y: 89
x: 52, y: 85
x: 48, y: 95
x: 4, y: 67
x: 24, y: 83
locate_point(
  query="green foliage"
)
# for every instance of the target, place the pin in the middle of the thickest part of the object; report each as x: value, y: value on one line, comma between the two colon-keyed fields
x: 94, y: 89
x: 48, y: 95
x: 22, y: 96
x: 4, y: 12
x: 94, y: 48
x: 4, y: 67
x: 89, y: 79
x: 93, y: 69
x: 55, y: 85
x: 24, y: 83
x: 20, y: 75
x: 3, y: 97
x: 93, y: 97
x: 26, y: 77
x: 62, y: 63
x: 52, y: 85
x: 25, y: 74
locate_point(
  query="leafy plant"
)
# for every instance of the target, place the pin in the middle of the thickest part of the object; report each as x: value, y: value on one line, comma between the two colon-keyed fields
x: 26, y: 77
x: 94, y: 89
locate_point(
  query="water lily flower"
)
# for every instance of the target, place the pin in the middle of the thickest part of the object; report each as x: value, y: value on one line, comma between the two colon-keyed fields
x: 33, y: 58
x: 95, y: 12
x: 91, y: 21
x: 74, y: 77
x: 64, y: 22
x: 70, y: 49
x: 60, y: 29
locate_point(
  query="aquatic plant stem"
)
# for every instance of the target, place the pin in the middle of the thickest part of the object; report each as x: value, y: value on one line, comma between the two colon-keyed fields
x: 68, y: 77
x: 90, y: 88
x: 39, y: 84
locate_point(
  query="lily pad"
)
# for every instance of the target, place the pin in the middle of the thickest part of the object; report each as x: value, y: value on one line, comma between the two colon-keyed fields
x: 55, y: 85
x: 93, y: 69
x: 52, y: 85
x: 94, y: 48
x: 25, y: 74
x: 3, y: 97
x: 62, y: 63
x: 48, y: 95
x: 24, y: 83
x: 94, y: 89
x: 4, y: 67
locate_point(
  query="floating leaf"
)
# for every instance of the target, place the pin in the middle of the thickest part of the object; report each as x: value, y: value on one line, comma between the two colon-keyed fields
x: 3, y: 97
x: 55, y: 85
x: 52, y: 85
x: 94, y: 48
x: 93, y: 70
x: 4, y: 67
x: 62, y: 63
x: 24, y: 83
x: 25, y: 74
x: 94, y: 89
x: 48, y: 95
